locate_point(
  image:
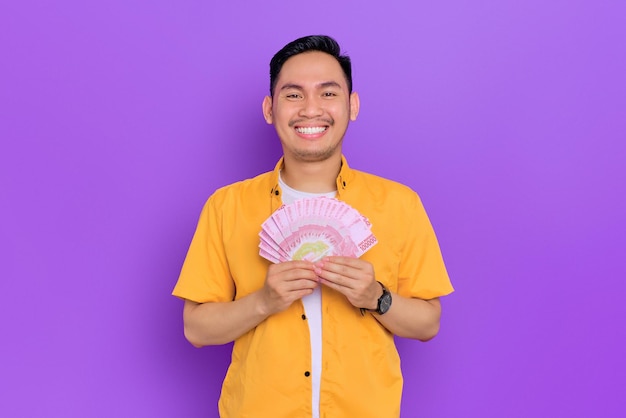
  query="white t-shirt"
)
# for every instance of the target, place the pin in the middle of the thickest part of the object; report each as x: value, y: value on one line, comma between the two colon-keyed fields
x: 312, y: 305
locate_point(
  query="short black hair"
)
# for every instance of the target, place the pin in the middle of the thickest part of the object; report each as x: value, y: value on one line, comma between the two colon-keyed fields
x: 320, y: 43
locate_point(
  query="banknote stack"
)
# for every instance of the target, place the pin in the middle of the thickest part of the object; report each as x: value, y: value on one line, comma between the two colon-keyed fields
x: 310, y: 229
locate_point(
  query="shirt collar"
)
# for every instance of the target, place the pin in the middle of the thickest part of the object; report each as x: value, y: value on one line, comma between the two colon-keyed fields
x: 344, y: 179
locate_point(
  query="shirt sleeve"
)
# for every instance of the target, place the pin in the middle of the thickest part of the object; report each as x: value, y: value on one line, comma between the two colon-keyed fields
x: 205, y: 276
x: 422, y: 272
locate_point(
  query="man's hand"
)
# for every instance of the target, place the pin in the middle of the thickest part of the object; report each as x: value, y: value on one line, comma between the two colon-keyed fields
x: 355, y: 279
x: 287, y: 282
x: 352, y: 277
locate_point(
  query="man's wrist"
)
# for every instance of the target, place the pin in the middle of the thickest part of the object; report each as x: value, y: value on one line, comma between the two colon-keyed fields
x: 379, y: 293
x: 381, y: 303
x: 384, y: 301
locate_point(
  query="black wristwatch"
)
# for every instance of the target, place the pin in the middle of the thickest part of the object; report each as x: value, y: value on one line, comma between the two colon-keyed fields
x: 384, y: 302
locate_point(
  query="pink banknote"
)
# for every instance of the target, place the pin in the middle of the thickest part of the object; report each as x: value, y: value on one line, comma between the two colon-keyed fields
x: 310, y: 229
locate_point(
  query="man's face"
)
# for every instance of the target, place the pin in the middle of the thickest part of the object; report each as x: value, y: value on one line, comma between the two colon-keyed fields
x: 311, y: 107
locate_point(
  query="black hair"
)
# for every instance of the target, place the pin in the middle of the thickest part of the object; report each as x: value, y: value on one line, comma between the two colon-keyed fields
x: 320, y: 43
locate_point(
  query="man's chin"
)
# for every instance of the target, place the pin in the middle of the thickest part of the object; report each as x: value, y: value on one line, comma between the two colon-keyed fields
x: 311, y: 156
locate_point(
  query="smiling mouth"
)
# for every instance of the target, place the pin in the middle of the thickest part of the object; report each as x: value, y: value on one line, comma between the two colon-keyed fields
x: 311, y: 130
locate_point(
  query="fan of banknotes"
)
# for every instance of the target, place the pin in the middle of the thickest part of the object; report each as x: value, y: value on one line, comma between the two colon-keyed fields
x: 310, y: 229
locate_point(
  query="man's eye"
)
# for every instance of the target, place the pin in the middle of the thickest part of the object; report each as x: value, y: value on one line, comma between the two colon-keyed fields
x: 293, y: 96
x: 329, y: 94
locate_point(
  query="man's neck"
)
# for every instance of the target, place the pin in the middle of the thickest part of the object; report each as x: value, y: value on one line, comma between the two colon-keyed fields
x: 312, y: 177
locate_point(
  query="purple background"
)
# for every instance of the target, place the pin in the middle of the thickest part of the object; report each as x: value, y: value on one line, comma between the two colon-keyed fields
x: 119, y: 118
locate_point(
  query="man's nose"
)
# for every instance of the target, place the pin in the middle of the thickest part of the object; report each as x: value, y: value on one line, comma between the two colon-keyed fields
x: 311, y: 107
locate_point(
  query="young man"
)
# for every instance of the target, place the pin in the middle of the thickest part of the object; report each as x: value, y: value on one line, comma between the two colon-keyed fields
x: 312, y: 339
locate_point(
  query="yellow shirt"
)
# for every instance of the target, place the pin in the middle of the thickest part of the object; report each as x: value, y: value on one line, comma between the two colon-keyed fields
x: 269, y: 373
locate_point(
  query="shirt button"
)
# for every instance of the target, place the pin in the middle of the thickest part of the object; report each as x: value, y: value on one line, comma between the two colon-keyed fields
x: 307, y: 373
x: 276, y: 192
x: 303, y: 316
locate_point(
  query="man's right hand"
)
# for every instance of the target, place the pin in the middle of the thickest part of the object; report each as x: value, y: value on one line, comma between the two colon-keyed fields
x: 287, y: 282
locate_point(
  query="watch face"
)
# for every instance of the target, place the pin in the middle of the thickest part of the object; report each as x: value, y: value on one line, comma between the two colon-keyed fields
x: 384, y: 303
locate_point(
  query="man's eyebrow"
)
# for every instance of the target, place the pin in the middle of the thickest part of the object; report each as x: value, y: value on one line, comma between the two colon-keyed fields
x: 330, y: 84
x: 323, y: 85
x: 291, y: 86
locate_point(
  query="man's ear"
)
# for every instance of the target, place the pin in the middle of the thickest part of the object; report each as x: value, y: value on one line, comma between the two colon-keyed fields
x: 267, y: 110
x: 354, y: 105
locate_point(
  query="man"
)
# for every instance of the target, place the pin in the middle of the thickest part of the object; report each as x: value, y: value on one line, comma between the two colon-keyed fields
x: 312, y: 338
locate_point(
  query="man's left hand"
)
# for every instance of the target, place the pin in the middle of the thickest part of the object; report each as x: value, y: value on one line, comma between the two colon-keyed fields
x: 352, y: 277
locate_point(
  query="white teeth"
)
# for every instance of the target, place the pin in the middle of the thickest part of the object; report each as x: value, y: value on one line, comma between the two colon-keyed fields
x: 310, y: 130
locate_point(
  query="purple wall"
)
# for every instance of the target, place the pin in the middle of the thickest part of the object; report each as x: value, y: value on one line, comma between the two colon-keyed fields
x: 118, y: 119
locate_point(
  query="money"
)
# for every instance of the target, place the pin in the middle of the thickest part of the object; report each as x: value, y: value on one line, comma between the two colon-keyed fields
x: 310, y: 229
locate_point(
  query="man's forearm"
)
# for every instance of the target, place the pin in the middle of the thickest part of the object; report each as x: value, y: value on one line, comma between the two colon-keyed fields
x: 217, y: 323
x: 412, y: 318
